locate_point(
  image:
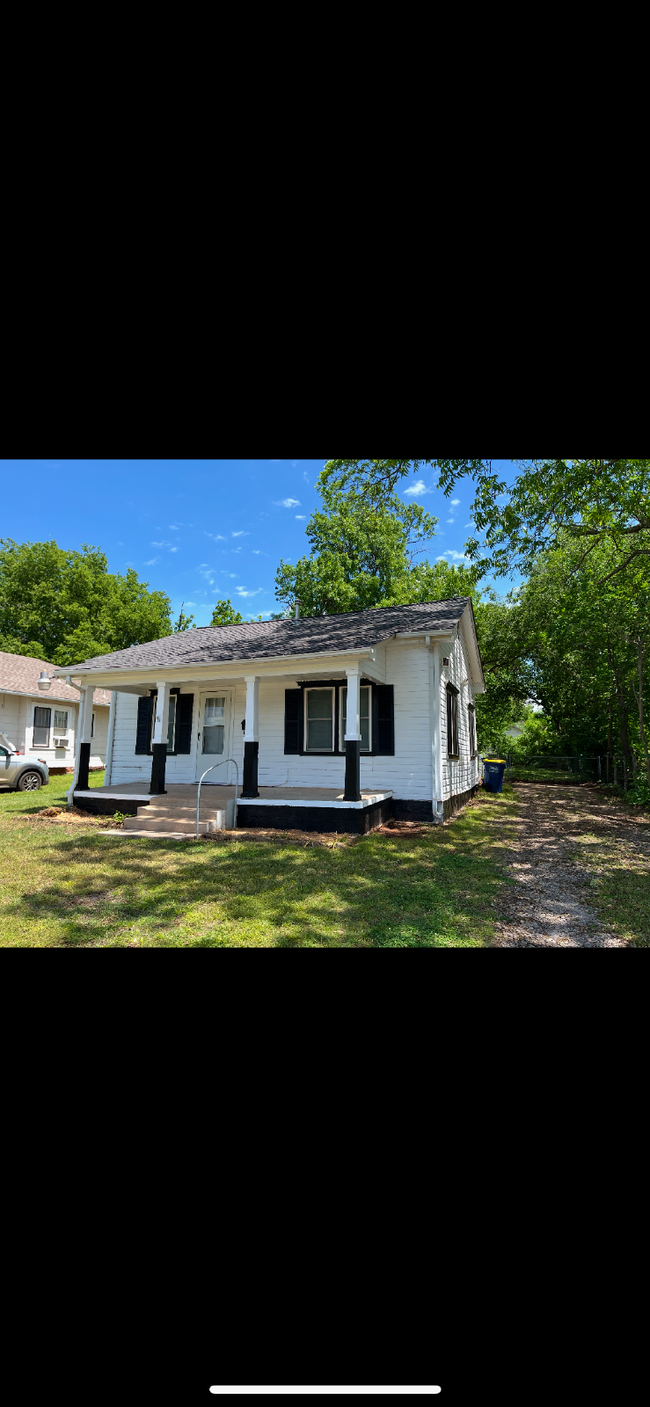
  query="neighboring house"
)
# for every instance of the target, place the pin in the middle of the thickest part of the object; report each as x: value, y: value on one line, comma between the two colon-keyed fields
x: 368, y: 711
x: 42, y: 722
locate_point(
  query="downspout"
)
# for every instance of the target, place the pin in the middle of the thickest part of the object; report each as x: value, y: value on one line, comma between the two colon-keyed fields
x: 434, y: 710
x: 109, y: 741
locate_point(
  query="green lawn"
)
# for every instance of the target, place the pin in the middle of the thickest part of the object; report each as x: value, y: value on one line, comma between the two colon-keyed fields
x: 65, y: 887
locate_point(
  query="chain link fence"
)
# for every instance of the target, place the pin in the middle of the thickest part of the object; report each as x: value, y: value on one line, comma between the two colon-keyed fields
x: 566, y: 768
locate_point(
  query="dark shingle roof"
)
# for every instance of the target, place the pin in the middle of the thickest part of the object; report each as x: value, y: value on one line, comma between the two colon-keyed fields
x: 268, y: 639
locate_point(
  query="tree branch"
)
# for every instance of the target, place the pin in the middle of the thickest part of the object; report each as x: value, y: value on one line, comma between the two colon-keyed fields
x: 641, y: 552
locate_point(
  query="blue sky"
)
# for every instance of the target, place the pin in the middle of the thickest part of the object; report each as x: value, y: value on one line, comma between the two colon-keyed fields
x: 201, y: 530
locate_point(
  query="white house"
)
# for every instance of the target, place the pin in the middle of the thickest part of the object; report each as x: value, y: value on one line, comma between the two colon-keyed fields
x: 38, y: 713
x: 366, y: 714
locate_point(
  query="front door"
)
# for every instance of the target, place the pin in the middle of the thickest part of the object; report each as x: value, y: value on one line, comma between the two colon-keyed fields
x: 214, y: 737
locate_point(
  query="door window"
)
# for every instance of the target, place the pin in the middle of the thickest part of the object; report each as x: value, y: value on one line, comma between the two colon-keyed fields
x: 214, y: 718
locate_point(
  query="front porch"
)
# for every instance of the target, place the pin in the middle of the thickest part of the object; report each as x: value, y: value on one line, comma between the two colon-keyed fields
x: 281, y: 808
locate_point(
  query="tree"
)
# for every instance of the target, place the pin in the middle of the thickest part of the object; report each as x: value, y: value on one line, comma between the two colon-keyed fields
x: 362, y: 547
x: 65, y: 606
x: 224, y: 613
x: 184, y: 622
x: 598, y: 502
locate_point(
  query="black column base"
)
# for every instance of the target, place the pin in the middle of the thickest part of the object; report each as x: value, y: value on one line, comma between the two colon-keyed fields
x: 251, y: 759
x: 352, y: 770
x: 84, y: 766
x: 158, y: 763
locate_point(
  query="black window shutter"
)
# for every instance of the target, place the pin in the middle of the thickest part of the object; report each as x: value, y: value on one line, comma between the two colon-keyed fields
x: 293, y: 720
x: 143, y: 728
x: 184, y: 711
x: 383, y: 720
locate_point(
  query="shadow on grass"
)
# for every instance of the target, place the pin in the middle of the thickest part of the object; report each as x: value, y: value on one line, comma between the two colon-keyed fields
x: 385, y: 891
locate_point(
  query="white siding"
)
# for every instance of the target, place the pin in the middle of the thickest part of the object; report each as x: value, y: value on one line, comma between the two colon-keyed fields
x: 407, y: 774
x: 457, y: 776
x: 17, y: 721
x: 98, y: 743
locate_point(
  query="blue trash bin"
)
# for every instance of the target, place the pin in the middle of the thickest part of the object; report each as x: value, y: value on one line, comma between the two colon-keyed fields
x: 494, y: 768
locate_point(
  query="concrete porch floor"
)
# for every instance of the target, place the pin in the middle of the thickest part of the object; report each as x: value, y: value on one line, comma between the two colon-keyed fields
x: 175, y: 811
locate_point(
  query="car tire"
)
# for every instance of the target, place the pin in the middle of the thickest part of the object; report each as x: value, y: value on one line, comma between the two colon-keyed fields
x: 30, y: 781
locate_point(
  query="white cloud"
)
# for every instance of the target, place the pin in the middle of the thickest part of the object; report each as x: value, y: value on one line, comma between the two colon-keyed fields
x: 161, y: 544
x: 451, y: 520
x: 216, y: 537
x: 300, y: 517
x: 241, y: 533
x: 455, y: 556
x: 152, y: 561
x: 173, y: 549
x: 234, y: 575
x: 287, y: 503
x: 455, y: 502
x: 304, y: 475
x: 241, y: 591
x: 418, y: 489
x: 172, y: 527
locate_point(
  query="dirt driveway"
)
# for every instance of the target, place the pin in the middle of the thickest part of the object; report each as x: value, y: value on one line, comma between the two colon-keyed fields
x: 551, y: 844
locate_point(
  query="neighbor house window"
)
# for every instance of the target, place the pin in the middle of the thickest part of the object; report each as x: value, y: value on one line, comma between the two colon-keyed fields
x: 452, y: 721
x: 60, y: 721
x: 319, y: 720
x: 171, y: 726
x: 42, y: 720
x: 364, y: 718
x: 471, y: 719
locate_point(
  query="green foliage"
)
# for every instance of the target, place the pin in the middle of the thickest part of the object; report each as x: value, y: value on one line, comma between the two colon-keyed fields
x: 184, y: 621
x: 224, y: 613
x: 597, y: 503
x: 363, y: 543
x: 65, y: 606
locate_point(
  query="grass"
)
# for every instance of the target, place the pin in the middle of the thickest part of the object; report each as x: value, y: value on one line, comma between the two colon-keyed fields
x: 66, y: 888
x: 620, y: 884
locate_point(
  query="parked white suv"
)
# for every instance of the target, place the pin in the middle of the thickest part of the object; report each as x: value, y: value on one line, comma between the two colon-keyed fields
x: 17, y: 773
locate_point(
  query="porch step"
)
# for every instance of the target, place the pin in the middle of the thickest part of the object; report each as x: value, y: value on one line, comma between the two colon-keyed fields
x: 185, y: 825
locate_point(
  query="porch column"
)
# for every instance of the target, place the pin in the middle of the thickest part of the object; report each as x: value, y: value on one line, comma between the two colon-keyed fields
x: 159, y: 740
x: 251, y: 736
x: 352, y: 740
x: 85, y: 725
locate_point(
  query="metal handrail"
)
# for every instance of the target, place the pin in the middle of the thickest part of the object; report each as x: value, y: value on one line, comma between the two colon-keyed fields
x: 213, y: 768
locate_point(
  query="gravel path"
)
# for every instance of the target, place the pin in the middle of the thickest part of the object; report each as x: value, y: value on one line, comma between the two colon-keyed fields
x: 548, y: 906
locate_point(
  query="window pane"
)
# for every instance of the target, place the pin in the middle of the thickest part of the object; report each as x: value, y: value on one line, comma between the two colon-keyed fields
x: 215, y: 711
x: 213, y: 738
x: 319, y: 703
x: 60, y: 721
x: 319, y: 720
x: 42, y: 720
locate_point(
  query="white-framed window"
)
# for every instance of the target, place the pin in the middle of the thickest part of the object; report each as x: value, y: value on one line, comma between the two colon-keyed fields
x: 319, y: 720
x: 171, y: 726
x: 61, y: 720
x: 365, y: 718
x: 42, y: 721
